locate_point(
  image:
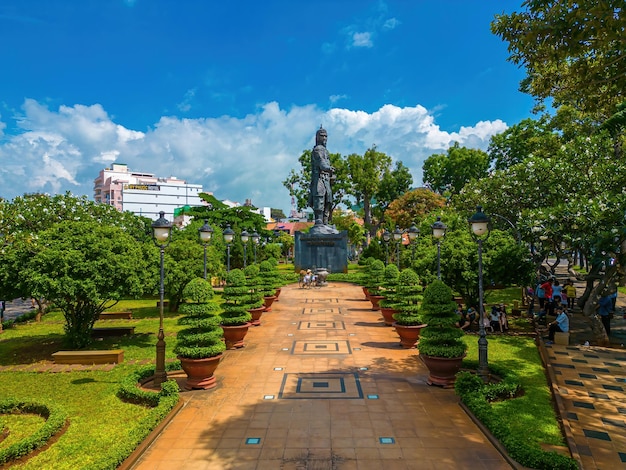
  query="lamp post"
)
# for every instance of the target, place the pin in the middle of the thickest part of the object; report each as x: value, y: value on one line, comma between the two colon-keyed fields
x: 439, y: 231
x: 205, y: 233
x: 255, y: 241
x: 161, y: 231
x: 386, y: 238
x: 414, y: 232
x: 229, y: 234
x: 479, y: 226
x: 245, y: 236
x: 397, y: 236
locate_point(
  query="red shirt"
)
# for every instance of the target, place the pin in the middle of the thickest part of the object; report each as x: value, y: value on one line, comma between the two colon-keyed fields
x: 547, y: 288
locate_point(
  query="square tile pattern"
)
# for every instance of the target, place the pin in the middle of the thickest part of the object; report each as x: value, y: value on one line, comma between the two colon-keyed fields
x: 321, y: 347
x: 323, y: 385
x: 321, y: 325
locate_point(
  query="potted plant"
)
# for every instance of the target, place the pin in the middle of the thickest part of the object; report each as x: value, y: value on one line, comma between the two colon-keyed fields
x: 269, y: 282
x: 374, y: 281
x: 235, y: 318
x: 276, y: 277
x: 408, y: 321
x: 441, y: 348
x: 256, y: 293
x: 389, y: 290
x: 199, y: 345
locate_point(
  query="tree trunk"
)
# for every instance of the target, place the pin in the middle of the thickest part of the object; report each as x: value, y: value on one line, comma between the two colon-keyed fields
x: 589, y: 300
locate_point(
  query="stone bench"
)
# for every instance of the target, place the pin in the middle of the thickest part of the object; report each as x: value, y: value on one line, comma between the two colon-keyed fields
x: 108, y: 356
x: 561, y: 338
x: 112, y: 331
x: 116, y: 316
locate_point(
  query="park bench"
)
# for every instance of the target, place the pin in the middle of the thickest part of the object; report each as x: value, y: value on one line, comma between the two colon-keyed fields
x: 107, y: 356
x: 112, y: 331
x: 116, y: 316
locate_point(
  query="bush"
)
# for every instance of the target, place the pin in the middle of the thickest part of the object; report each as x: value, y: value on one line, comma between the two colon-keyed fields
x: 269, y: 278
x: 236, y: 300
x: 391, y: 275
x: 441, y: 338
x: 374, y: 276
x: 203, y: 336
x: 407, y: 299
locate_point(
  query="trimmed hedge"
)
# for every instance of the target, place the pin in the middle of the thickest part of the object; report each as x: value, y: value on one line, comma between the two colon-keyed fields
x: 477, y: 396
x: 55, y: 420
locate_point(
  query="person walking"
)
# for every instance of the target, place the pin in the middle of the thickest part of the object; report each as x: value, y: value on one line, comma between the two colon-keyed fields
x: 605, y: 308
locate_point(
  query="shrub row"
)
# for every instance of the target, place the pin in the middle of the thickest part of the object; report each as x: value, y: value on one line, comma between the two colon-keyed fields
x: 477, y: 396
x: 130, y: 392
x: 55, y: 420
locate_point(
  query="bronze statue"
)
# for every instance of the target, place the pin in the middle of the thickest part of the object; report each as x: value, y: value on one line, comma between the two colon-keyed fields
x: 322, y: 176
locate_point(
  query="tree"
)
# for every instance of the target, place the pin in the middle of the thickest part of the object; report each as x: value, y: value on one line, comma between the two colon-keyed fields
x: 451, y: 171
x: 367, y: 172
x: 574, y: 52
x: 84, y: 267
x: 393, y: 185
x: 277, y: 214
x: 414, y: 205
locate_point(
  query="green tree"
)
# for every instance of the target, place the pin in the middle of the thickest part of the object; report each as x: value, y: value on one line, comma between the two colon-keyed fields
x: 414, y: 205
x: 85, y: 268
x: 394, y: 183
x: 573, y: 52
x: 451, y: 171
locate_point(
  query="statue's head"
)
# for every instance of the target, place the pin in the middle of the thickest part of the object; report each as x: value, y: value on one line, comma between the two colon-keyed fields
x: 321, y: 136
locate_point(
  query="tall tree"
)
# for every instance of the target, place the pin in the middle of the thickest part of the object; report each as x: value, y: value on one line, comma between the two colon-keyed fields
x: 574, y: 52
x: 413, y: 206
x: 394, y: 183
x: 451, y: 171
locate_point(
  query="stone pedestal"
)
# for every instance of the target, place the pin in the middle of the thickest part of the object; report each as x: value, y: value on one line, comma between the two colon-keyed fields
x: 322, y: 247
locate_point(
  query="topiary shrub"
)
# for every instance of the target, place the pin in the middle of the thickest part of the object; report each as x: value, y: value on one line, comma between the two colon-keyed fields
x: 441, y: 338
x: 390, y: 283
x: 407, y: 299
x: 269, y: 278
x: 375, y: 277
x: 203, y: 336
x: 236, y: 300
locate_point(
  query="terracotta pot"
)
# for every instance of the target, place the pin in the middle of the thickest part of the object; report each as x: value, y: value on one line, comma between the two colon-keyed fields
x: 387, y: 313
x: 234, y: 335
x: 409, y: 335
x: 276, y: 294
x: 442, y: 370
x: 366, y: 292
x: 200, y: 372
x: 268, y: 301
x: 375, y: 299
x: 256, y: 315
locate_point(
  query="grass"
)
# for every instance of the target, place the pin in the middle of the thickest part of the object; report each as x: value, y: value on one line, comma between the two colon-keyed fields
x: 531, y: 417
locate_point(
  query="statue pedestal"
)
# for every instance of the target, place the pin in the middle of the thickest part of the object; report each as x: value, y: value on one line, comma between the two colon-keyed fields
x: 322, y: 247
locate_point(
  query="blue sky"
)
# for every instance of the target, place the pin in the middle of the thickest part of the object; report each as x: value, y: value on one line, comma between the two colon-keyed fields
x: 229, y: 94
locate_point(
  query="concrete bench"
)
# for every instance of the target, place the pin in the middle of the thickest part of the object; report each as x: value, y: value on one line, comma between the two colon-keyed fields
x: 561, y: 338
x: 116, y: 316
x: 108, y: 356
x: 112, y: 331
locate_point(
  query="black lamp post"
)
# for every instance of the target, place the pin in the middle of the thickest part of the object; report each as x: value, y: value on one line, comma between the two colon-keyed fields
x: 414, y: 232
x: 397, y: 236
x: 161, y: 231
x: 479, y: 226
x: 439, y: 231
x: 205, y: 233
x: 245, y: 236
x: 229, y: 234
x: 386, y: 238
x: 255, y: 241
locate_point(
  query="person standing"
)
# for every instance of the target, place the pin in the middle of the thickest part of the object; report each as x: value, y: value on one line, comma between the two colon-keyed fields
x: 605, y: 307
x: 322, y: 174
x: 570, y: 291
x: 547, y: 289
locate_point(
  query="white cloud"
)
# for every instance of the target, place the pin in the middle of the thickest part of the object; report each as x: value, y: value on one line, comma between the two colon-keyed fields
x: 391, y: 23
x: 334, y: 98
x: 236, y: 158
x: 362, y: 40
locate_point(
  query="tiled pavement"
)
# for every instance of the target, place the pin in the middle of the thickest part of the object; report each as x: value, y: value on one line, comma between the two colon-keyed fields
x: 322, y: 384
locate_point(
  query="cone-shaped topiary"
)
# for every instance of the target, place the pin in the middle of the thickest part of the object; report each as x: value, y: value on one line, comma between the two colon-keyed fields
x: 236, y: 299
x: 375, y: 277
x: 253, y: 281
x: 390, y: 283
x: 269, y: 278
x: 407, y: 298
x: 203, y: 336
x: 441, y: 338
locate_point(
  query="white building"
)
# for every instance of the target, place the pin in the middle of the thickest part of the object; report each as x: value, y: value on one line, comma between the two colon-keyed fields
x: 143, y: 193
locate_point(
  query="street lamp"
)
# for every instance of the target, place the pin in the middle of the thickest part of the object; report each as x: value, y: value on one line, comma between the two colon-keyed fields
x: 414, y: 232
x: 229, y: 234
x: 386, y: 238
x: 479, y: 226
x: 255, y: 240
x: 245, y: 236
x: 161, y: 231
x: 397, y: 236
x: 205, y: 233
x: 439, y: 231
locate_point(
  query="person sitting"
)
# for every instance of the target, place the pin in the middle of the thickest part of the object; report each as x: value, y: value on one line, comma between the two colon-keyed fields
x: 560, y: 324
x: 504, y: 322
x: 494, y: 319
x: 307, y: 279
x: 464, y: 321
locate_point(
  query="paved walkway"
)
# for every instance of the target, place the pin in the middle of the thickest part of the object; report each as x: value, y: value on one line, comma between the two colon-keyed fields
x: 322, y: 385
